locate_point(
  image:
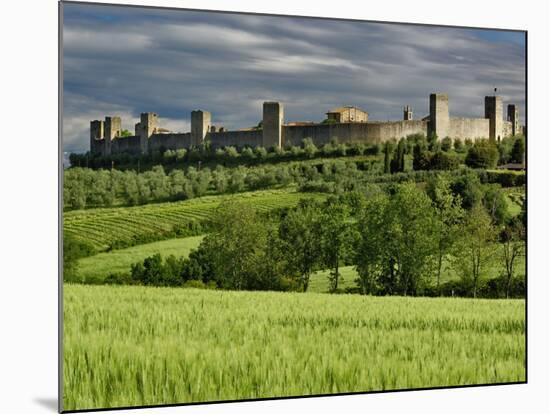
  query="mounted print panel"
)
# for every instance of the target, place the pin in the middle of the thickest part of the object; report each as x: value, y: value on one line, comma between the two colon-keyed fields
x: 264, y: 206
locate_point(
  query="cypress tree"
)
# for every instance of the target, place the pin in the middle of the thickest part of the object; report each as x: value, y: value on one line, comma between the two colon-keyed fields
x: 387, y: 159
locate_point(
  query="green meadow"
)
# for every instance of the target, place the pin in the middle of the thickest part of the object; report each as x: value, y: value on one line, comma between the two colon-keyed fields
x: 96, y: 268
x: 134, y: 345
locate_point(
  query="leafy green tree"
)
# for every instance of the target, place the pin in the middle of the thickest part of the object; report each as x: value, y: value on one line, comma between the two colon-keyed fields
x: 458, y: 145
x: 309, y: 147
x: 231, y: 153
x: 299, y: 232
x: 261, y: 153
x: 273, y: 266
x: 446, y: 144
x: 397, y: 241
x: 410, y: 236
x: 483, y: 154
x: 443, y: 161
x: 421, y: 158
x: 512, y: 239
x: 469, y: 188
x: 220, y: 180
x: 387, y: 157
x: 518, y: 150
x: 336, y: 236
x: 475, y: 247
x: 495, y: 203
x: 180, y: 154
x: 177, y: 184
x: 432, y: 141
x: 370, y: 253
x: 248, y: 153
x: 236, y: 246
x: 448, y: 216
x: 236, y: 180
x: 398, y: 162
x: 73, y: 250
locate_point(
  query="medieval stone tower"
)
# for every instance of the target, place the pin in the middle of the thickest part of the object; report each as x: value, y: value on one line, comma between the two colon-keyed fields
x: 439, y: 115
x: 493, y: 112
x: 407, y: 113
x: 272, y: 124
x: 97, y: 132
x: 513, y: 117
x: 113, y: 129
x: 201, y: 122
x: 145, y: 128
x: 348, y: 125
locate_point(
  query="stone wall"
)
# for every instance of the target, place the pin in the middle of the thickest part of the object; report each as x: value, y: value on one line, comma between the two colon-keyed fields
x: 383, y: 131
x: 170, y: 141
x: 130, y: 145
x: 105, y: 135
x: 366, y: 132
x: 251, y: 138
x: 507, y: 128
x: 468, y: 128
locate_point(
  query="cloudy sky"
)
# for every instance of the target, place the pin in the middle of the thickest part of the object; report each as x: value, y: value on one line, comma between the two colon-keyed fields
x: 124, y: 61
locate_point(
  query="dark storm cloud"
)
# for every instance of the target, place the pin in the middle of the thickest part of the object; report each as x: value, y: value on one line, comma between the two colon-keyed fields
x: 123, y: 61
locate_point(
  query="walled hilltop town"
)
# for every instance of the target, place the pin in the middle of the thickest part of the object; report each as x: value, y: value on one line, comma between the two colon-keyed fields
x: 346, y: 124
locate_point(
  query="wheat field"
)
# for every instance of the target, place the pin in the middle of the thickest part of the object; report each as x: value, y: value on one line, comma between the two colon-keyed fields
x: 133, y: 345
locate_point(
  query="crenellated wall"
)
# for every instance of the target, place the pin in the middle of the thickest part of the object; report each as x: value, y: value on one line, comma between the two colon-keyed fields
x: 105, y: 136
x: 472, y: 128
x: 250, y: 138
x: 366, y: 132
x: 130, y: 145
x: 170, y: 141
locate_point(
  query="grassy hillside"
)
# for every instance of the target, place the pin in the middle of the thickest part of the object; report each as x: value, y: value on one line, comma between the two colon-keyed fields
x: 96, y: 268
x: 99, y: 266
x: 134, y: 345
x: 127, y: 226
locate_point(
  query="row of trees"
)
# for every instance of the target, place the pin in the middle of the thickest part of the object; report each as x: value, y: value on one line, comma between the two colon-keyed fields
x: 432, y: 154
x: 85, y: 187
x: 229, y: 155
x: 429, y: 153
x: 399, y: 240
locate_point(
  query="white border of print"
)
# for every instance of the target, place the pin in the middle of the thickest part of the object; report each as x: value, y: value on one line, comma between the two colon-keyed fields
x: 28, y: 219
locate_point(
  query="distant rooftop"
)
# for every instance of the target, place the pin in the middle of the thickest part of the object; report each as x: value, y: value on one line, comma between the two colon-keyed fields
x: 341, y: 109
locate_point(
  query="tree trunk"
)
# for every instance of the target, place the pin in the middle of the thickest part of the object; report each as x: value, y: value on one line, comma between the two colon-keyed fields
x: 439, y: 264
x: 336, y: 275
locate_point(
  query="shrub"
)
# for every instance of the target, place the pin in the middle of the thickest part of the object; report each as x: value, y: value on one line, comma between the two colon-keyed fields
x: 506, y: 178
x: 248, y: 153
x: 317, y: 186
x: 120, y: 278
x: 443, y: 161
x: 446, y: 144
x: 199, y: 284
x: 483, y: 154
x: 518, y: 150
x: 309, y: 147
